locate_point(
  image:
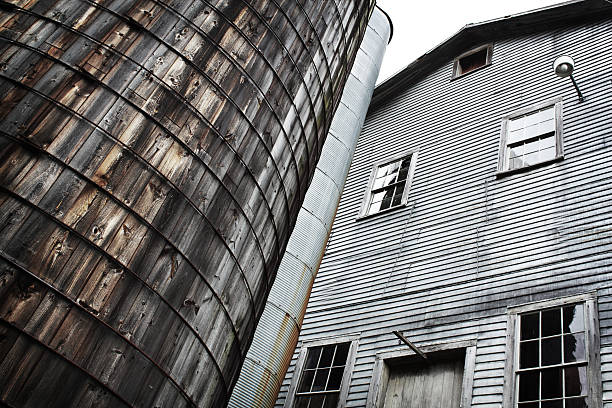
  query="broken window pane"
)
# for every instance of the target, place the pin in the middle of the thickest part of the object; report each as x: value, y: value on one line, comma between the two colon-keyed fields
x: 575, y: 381
x: 574, y: 347
x: 573, y: 319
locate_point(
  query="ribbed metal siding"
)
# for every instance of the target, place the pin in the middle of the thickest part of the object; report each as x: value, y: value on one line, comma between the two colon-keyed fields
x: 154, y: 156
x: 277, y: 332
x: 468, y: 244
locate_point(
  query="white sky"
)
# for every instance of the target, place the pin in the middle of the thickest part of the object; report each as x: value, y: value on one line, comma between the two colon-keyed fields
x: 420, y: 25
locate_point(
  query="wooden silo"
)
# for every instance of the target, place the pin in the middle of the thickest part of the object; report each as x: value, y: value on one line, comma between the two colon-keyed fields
x: 153, y: 158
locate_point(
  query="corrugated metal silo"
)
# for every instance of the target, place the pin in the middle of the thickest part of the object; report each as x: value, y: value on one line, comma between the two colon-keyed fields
x: 154, y: 156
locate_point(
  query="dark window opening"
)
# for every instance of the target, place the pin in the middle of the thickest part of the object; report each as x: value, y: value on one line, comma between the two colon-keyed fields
x: 553, y: 361
x: 319, y: 385
x: 472, y: 61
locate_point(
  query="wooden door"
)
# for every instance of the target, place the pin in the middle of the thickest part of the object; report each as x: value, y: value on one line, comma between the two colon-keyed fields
x: 436, y: 384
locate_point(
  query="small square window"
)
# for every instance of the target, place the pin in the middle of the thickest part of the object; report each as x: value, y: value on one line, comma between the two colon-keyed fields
x: 472, y: 60
x: 531, y: 136
x: 389, y: 184
x: 323, y: 369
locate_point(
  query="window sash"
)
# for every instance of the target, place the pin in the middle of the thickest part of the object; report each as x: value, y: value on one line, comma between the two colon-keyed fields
x: 592, y: 344
x: 517, y: 148
x: 403, y: 163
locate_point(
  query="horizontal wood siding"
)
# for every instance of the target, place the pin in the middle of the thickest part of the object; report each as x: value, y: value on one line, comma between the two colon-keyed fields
x: 469, y: 244
x: 153, y: 158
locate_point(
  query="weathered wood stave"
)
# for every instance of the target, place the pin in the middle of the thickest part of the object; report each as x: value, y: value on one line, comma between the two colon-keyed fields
x: 117, y: 185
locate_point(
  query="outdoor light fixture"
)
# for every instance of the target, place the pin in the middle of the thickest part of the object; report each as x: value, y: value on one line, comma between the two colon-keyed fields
x: 564, y: 67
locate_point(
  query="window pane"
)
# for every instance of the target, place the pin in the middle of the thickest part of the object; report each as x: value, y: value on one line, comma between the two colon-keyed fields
x: 516, y: 151
x: 377, y: 197
x: 306, y: 381
x: 529, y: 405
x: 389, y: 180
x: 529, y: 354
x: 316, y: 401
x: 530, y: 325
x: 320, y: 380
x: 573, y: 319
x: 397, y: 197
x: 575, y: 381
x: 374, y: 208
x: 553, y: 404
x: 576, y: 403
x: 515, y: 163
x: 312, y: 357
x: 532, y: 131
x: 335, y: 378
x: 403, y: 173
x: 331, y: 400
x: 551, y: 322
x: 516, y: 124
x: 531, y: 147
x: 529, y: 386
x: 531, y: 159
x: 386, y: 202
x: 341, y: 354
x: 515, y: 136
x: 327, y: 355
x: 552, y: 383
x: 574, y: 347
x: 547, y: 142
x: 385, y: 170
x: 378, y: 183
x: 302, y: 401
x: 551, y: 351
x: 547, y: 154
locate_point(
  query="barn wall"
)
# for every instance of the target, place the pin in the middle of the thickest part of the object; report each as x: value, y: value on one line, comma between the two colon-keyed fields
x: 469, y: 244
x: 153, y: 158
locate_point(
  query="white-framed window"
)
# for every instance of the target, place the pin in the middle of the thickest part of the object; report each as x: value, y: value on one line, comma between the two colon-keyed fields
x: 322, y: 373
x: 472, y: 60
x: 389, y: 183
x: 531, y: 136
x: 553, y: 349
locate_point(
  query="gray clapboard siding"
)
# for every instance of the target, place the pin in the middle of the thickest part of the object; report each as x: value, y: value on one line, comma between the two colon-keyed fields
x: 468, y: 244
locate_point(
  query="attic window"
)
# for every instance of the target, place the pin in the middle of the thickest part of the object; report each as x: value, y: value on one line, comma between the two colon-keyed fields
x: 472, y: 60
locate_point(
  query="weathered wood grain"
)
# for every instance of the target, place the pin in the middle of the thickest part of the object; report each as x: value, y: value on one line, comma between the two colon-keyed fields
x: 154, y: 155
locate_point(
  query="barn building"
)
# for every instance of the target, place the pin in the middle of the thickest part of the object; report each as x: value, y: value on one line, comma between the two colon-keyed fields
x: 470, y: 262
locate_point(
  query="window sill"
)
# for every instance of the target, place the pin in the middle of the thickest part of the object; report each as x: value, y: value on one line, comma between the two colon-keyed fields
x: 503, y: 173
x: 385, y: 211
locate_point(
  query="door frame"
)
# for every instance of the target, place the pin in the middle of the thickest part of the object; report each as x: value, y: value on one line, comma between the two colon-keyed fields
x: 380, y: 373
